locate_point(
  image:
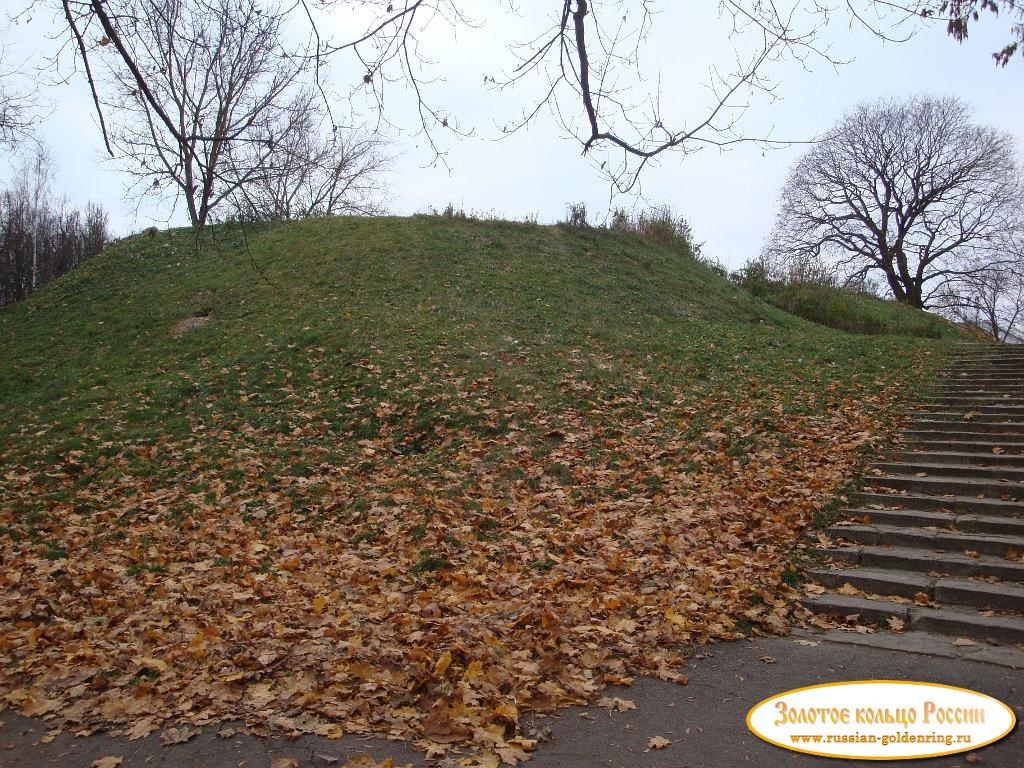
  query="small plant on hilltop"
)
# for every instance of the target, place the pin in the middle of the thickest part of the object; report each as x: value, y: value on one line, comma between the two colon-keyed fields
x: 576, y: 215
x: 659, y: 225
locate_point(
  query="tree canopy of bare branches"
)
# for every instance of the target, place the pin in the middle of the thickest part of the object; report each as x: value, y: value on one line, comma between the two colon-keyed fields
x: 584, y: 63
x: 196, y: 92
x: 18, y: 107
x: 991, y: 296
x: 911, y: 191
x: 314, y: 170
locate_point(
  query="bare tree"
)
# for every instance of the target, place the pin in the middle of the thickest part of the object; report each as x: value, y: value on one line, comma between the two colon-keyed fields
x: 194, y: 91
x: 911, y: 190
x: 991, y: 298
x: 994, y: 302
x: 18, y: 107
x: 315, y: 169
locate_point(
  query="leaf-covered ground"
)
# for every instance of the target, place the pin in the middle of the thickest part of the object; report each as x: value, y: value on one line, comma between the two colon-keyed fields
x: 419, y: 512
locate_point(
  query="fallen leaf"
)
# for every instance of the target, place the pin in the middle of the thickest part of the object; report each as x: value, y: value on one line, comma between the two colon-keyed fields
x: 895, y: 623
x: 178, y: 735
x: 107, y: 762
x: 284, y: 762
x: 442, y: 664
x: 963, y: 642
x: 973, y: 759
x: 615, y: 704
x: 329, y: 730
x: 512, y: 754
x: 921, y: 598
x: 479, y: 761
x: 363, y: 760
x: 768, y: 659
x: 657, y: 742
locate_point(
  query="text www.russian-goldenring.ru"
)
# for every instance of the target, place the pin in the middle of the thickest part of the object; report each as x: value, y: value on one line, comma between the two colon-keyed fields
x: 885, y: 740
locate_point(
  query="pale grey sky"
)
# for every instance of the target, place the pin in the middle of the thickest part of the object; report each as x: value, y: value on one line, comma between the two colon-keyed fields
x: 728, y: 197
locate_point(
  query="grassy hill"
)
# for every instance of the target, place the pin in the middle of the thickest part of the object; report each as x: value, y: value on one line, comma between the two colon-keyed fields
x: 421, y: 450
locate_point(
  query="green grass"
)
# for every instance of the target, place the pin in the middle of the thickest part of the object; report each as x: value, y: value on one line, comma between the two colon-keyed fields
x: 855, y: 312
x: 322, y: 333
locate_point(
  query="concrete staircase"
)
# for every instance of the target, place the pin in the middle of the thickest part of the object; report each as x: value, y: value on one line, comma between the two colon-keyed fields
x: 937, y: 535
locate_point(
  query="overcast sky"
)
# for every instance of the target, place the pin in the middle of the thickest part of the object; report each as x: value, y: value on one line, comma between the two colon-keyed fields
x: 728, y: 197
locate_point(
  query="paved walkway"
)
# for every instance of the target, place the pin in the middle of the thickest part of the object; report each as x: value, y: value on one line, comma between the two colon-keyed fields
x: 704, y: 720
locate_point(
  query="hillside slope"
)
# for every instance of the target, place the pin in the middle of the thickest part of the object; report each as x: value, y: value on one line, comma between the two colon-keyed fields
x: 411, y: 476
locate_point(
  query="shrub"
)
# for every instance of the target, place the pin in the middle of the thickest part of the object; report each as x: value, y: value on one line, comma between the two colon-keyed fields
x: 661, y: 225
x: 576, y: 215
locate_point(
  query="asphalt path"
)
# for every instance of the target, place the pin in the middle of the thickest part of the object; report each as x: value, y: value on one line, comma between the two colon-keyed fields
x: 704, y: 721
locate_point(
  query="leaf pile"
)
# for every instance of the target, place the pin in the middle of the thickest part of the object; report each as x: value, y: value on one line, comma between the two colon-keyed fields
x: 431, y: 582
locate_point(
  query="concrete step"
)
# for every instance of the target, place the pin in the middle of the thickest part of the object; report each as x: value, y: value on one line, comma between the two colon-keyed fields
x: 911, y: 518
x: 966, y: 623
x: 875, y: 581
x: 979, y: 594
x: 949, y: 486
x: 971, y: 415
x: 984, y: 389
x: 847, y: 606
x: 983, y: 364
x: 945, y: 469
x: 987, y: 401
x: 1003, y: 442
x: 961, y: 406
x: 1005, y: 428
x: 947, y: 621
x: 970, y: 504
x: 960, y: 458
x: 992, y: 385
x: 981, y: 382
x: 912, y: 559
x: 999, y: 545
x: 929, y: 442
x: 993, y: 369
x: 945, y: 590
x: 997, y: 374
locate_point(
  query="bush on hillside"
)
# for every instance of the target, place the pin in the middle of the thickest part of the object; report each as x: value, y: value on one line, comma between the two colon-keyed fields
x: 659, y: 225
x: 576, y: 215
x: 844, y: 309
